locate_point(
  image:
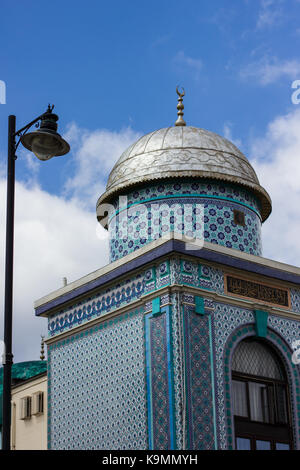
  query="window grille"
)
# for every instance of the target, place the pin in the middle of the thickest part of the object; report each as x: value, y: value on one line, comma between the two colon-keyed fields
x: 254, y: 358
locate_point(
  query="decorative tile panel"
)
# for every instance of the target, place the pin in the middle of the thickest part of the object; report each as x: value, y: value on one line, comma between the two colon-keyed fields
x: 200, y: 398
x: 295, y: 300
x: 159, y: 362
x: 202, y: 210
x: 99, y: 304
x: 178, y: 374
x: 170, y: 271
x: 97, y: 387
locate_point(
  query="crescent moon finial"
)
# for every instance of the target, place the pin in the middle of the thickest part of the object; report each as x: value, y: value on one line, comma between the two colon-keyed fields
x: 180, y: 107
x: 181, y: 95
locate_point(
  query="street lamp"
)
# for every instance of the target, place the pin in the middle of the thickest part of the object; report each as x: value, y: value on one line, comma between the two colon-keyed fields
x: 45, y: 143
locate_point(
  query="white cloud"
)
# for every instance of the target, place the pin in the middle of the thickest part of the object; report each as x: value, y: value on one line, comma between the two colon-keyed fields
x: 227, y: 132
x: 94, y: 155
x: 276, y: 159
x: 57, y: 237
x: 270, y: 69
x: 270, y: 13
x: 54, y: 238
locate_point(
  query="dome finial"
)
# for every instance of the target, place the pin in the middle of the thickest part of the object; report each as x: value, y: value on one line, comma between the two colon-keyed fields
x: 42, y: 356
x: 180, y: 107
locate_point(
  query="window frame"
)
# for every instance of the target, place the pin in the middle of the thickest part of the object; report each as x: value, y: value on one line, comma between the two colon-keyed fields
x: 26, y: 407
x: 38, y: 403
x: 273, y: 431
x: 239, y: 377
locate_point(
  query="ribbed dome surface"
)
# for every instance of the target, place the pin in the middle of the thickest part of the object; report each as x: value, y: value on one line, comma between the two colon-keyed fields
x: 184, y: 151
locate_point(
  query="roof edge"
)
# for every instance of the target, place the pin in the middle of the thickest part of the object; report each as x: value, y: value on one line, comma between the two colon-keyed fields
x: 154, y: 250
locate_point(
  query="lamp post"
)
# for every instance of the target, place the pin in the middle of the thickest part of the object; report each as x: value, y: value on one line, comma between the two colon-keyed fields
x: 45, y: 143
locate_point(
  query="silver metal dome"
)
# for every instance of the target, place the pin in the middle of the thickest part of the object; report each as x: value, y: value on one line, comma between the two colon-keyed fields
x: 185, y: 151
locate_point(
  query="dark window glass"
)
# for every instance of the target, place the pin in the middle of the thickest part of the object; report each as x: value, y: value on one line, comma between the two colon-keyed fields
x: 243, y: 444
x: 281, y: 403
x: 282, y: 446
x: 240, y: 398
x: 263, y: 445
x: 259, y: 402
x: 239, y: 217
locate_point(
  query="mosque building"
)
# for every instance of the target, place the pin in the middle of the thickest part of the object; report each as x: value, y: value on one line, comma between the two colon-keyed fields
x: 187, y: 338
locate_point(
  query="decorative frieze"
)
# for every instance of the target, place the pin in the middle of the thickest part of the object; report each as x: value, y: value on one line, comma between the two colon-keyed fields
x: 122, y: 294
x: 256, y: 290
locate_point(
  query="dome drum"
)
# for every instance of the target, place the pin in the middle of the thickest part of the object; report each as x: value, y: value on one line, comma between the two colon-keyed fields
x: 198, y: 209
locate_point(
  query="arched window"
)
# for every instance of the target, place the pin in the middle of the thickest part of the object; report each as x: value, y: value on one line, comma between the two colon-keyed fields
x: 260, y: 398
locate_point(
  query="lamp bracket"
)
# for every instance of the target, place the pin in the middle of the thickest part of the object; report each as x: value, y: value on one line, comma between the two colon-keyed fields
x: 26, y: 128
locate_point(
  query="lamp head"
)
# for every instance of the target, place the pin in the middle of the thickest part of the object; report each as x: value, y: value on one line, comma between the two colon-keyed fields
x: 45, y: 142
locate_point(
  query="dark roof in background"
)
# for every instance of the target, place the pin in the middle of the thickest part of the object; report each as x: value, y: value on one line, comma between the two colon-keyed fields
x: 21, y: 372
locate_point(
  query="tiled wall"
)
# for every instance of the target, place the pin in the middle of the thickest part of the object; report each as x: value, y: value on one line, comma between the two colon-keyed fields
x: 203, y: 210
x: 124, y: 383
x: 97, y: 388
x: 121, y: 294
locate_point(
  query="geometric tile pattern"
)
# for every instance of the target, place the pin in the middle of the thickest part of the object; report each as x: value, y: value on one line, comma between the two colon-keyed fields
x: 160, y: 381
x: 97, y: 387
x: 99, y: 379
x: 177, y: 359
x: 203, y: 210
x: 104, y: 301
x: 123, y: 293
x: 200, y: 400
x: 201, y: 186
x: 288, y: 329
x: 295, y: 300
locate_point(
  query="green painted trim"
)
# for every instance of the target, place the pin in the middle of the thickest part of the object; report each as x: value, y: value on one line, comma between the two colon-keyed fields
x: 261, y: 321
x: 156, y: 306
x: 176, y: 196
x: 212, y: 371
x: 199, y: 305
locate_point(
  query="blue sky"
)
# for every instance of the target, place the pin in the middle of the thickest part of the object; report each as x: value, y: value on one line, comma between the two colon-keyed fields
x: 116, y: 64
x: 111, y: 69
